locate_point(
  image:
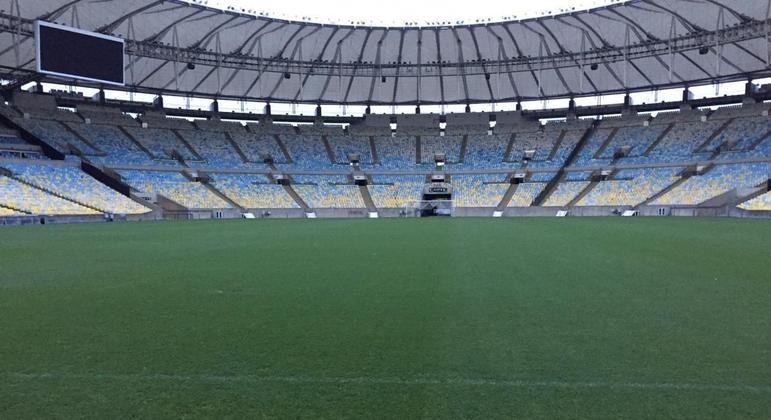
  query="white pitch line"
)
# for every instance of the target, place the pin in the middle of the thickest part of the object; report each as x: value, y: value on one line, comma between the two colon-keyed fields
x: 366, y: 380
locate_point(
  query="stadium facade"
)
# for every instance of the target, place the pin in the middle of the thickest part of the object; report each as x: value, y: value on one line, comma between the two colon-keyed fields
x: 66, y: 156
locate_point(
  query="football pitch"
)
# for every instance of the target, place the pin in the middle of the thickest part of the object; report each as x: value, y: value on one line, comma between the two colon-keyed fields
x: 389, y: 318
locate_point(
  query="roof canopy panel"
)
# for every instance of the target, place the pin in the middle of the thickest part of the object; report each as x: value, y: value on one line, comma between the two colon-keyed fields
x: 640, y: 44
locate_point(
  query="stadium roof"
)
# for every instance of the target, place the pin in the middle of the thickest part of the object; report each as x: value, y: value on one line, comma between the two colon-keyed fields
x: 403, y: 12
x: 636, y: 45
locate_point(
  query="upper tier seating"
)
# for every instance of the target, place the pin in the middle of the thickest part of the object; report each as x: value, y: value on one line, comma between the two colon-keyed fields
x: 450, y: 146
x: 256, y: 146
x: 214, y: 148
x: 307, y: 151
x: 637, y: 139
x: 175, y: 187
x: 56, y: 135
x: 396, y: 152
x: 542, y: 142
x: 681, y: 142
x: 71, y: 182
x: 359, y: 145
x: 161, y: 142
x: 484, y: 151
x: 110, y: 140
x: 586, y: 156
x: 569, y: 142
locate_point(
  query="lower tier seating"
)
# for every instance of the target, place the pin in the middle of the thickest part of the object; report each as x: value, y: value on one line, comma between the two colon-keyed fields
x: 762, y: 202
x: 478, y: 190
x: 714, y: 182
x: 564, y: 193
x: 396, y: 191
x: 71, y: 182
x: 638, y: 186
x: 253, y: 192
x: 175, y: 187
x: 8, y: 212
x: 526, y: 193
x: 329, y: 192
x: 21, y: 196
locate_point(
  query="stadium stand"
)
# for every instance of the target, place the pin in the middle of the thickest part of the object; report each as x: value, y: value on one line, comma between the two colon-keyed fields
x: 716, y: 181
x: 343, y: 145
x: 565, y: 192
x: 253, y: 191
x: 478, y: 190
x: 213, y: 147
x: 630, y: 188
x: 396, y: 152
x: 525, y: 194
x: 645, y: 155
x: 449, y: 146
x: 396, y: 191
x: 761, y: 203
x: 18, y: 195
x: 72, y: 183
x: 175, y: 187
x: 328, y: 192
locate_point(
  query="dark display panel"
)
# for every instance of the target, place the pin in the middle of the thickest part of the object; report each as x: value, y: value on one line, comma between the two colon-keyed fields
x: 69, y: 52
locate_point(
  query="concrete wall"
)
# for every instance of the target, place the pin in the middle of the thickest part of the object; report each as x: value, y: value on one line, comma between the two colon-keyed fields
x: 392, y: 213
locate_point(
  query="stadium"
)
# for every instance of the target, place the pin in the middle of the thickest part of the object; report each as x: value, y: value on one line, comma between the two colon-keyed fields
x: 247, y: 209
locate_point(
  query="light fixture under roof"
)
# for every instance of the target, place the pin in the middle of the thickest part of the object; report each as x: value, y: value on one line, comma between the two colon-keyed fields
x: 408, y: 13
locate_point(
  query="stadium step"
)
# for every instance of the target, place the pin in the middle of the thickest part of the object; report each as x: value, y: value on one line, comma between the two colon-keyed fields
x: 760, y: 189
x: 296, y: 197
x: 712, y: 136
x: 667, y: 189
x: 284, y: 149
x: 509, y: 146
x: 237, y: 148
x: 583, y: 193
x: 606, y: 143
x: 367, y: 198
x: 222, y: 196
x: 552, y: 185
x: 658, y: 140
x: 735, y: 196
x: 557, y: 145
x: 463, y: 148
x: 373, y: 150
x: 85, y: 141
x: 188, y: 145
x: 49, y: 151
x: 419, y: 150
x: 136, y: 142
x: 760, y: 140
x: 507, y: 197
x: 328, y: 149
x: 107, y: 177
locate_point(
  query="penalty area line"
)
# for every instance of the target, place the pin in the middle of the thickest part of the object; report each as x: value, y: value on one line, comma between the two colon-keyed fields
x: 367, y: 380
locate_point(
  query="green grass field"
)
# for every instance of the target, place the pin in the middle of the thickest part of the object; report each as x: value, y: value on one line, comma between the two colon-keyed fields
x: 401, y: 318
